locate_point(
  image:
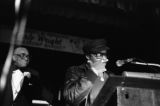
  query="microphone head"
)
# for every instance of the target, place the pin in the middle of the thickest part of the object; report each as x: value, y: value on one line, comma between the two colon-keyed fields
x: 120, y: 63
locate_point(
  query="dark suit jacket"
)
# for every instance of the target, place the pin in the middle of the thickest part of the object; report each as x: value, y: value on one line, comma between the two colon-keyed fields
x: 82, y: 85
x: 24, y: 97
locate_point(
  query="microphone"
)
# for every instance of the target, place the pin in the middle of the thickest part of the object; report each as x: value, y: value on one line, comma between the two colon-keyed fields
x: 120, y: 63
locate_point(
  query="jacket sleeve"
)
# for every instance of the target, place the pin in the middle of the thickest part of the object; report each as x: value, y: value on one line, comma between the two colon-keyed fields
x: 77, y: 86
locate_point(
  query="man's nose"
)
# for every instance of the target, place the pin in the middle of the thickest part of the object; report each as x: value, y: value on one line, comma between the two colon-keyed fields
x: 26, y: 58
x: 105, y: 59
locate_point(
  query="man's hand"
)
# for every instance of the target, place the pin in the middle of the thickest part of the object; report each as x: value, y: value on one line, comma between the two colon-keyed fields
x: 27, y: 74
x: 99, y: 66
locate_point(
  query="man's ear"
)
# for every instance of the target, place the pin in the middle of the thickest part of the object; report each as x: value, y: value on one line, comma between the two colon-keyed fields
x: 87, y: 57
x: 14, y: 58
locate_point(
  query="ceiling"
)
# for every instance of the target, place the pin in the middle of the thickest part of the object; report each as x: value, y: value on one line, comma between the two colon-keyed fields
x: 84, y: 17
x: 94, y: 16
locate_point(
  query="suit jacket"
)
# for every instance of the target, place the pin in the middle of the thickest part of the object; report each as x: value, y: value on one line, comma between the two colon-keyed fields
x: 24, y: 97
x: 82, y: 86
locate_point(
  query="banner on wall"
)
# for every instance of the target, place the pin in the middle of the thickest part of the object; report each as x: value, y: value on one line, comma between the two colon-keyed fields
x: 46, y: 40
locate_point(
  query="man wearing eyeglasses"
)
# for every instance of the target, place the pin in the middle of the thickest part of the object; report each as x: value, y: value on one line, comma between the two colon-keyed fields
x: 21, y: 57
x: 84, y: 82
x: 18, y: 91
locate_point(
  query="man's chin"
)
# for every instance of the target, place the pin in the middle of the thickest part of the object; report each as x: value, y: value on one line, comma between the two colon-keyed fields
x: 22, y: 66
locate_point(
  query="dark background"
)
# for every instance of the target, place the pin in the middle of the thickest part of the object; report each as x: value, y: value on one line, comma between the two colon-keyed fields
x: 130, y: 27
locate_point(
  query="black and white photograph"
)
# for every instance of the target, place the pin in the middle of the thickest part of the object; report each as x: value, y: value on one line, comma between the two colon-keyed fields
x: 79, y: 53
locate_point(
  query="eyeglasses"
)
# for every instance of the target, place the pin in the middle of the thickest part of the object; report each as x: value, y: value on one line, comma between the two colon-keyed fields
x: 22, y: 55
x: 100, y: 55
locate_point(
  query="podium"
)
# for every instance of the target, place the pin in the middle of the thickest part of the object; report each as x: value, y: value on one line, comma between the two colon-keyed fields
x: 129, y: 91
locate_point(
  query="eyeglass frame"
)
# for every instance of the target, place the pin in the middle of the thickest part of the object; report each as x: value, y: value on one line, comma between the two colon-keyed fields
x: 100, y: 55
x: 22, y: 55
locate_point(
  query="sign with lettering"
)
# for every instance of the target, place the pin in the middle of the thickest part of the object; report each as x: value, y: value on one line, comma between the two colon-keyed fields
x: 46, y: 40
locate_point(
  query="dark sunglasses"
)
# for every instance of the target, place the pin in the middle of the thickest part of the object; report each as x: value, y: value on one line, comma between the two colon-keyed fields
x: 100, y: 54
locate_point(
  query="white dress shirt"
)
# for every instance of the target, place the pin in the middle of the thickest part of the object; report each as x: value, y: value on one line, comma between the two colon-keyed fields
x: 17, y: 81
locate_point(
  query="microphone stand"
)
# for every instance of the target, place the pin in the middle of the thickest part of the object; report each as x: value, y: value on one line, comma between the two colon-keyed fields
x: 147, y: 64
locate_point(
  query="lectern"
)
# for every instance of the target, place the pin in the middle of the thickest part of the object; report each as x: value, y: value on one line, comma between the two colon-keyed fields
x: 130, y: 89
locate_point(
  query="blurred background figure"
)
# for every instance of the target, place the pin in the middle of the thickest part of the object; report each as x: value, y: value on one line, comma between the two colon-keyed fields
x: 21, y: 78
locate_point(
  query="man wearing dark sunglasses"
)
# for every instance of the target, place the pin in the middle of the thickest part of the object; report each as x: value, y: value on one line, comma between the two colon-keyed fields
x: 84, y: 82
